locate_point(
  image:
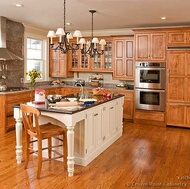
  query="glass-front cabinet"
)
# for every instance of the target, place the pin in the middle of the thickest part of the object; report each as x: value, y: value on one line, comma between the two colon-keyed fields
x: 103, y: 63
x: 99, y: 63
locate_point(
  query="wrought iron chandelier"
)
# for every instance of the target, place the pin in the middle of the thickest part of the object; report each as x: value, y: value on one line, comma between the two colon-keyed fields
x: 63, y: 44
x: 91, y: 47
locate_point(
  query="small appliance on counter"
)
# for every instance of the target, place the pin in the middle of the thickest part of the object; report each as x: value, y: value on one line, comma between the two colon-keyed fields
x: 3, y: 87
x: 96, y: 80
x: 80, y: 82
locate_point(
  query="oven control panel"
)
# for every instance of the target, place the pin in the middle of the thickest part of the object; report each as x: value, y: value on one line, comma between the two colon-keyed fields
x: 151, y: 64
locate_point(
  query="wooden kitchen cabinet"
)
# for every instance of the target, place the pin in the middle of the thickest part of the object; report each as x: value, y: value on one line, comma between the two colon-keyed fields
x: 180, y: 37
x: 54, y: 90
x: 7, y: 121
x: 178, y: 73
x: 150, y: 46
x: 128, y: 106
x: 124, y: 58
x: 103, y: 63
x: 84, y: 63
x: 58, y: 64
x: 178, y: 88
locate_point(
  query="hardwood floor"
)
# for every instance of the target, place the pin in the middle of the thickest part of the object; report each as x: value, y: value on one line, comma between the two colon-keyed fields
x: 144, y: 157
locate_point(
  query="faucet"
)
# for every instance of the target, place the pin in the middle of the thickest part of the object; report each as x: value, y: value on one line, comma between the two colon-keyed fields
x: 82, y: 95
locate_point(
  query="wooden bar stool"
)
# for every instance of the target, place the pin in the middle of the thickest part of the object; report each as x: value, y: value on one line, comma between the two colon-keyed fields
x: 47, y: 131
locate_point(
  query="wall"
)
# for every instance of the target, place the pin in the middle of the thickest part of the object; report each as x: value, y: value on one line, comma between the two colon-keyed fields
x: 15, y: 43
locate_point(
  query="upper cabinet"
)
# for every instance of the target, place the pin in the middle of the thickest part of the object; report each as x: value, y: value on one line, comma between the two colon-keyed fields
x: 124, y: 58
x: 180, y: 37
x: 98, y: 63
x: 150, y: 46
x: 103, y: 63
x: 58, y: 64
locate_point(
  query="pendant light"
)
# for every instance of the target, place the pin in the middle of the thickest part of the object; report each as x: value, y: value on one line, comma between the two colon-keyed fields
x: 92, y: 46
x: 63, y: 44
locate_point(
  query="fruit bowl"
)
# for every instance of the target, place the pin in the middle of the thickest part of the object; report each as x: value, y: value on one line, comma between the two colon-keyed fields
x: 99, y: 91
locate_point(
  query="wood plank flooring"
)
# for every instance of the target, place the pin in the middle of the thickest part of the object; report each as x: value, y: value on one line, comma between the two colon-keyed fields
x: 144, y: 157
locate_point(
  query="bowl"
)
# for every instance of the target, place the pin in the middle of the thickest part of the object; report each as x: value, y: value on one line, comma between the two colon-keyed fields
x: 53, y: 98
x: 88, y: 101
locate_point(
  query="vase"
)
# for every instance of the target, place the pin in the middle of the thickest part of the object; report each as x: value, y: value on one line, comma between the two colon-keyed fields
x: 33, y: 83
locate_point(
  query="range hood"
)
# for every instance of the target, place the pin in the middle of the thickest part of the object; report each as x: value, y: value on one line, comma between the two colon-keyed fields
x: 5, y: 54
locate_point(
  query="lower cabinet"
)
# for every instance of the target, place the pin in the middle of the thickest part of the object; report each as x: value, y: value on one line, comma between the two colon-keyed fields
x: 7, y: 101
x: 128, y: 106
x: 102, y: 126
x: 178, y: 115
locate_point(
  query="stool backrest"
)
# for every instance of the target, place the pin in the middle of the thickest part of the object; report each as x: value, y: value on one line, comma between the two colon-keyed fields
x: 30, y: 117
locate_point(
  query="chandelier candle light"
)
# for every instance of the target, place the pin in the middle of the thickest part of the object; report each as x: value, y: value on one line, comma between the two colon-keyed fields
x: 63, y: 45
x: 90, y: 48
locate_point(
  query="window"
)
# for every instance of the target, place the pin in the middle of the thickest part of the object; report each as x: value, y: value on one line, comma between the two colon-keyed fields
x: 36, y: 55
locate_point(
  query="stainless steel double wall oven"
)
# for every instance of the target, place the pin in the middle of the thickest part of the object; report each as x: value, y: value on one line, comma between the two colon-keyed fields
x: 150, y: 85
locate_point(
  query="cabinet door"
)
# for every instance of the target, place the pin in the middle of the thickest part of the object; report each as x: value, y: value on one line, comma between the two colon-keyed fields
x: 94, y: 129
x: 97, y: 121
x: 91, y: 137
x: 188, y: 116
x: 177, y: 38
x: 128, y: 108
x: 119, y: 64
x: 123, y: 59
x: 107, y: 57
x: 58, y: 65
x: 176, y: 89
x: 105, y: 123
x: 175, y: 114
x: 151, y: 46
x: 142, y: 46
x: 158, y: 46
x: 112, y: 113
x: 129, y: 59
x: 176, y: 79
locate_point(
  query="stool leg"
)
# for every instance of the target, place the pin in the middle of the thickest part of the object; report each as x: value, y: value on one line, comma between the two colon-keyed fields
x: 27, y: 152
x: 49, y: 147
x: 39, y: 158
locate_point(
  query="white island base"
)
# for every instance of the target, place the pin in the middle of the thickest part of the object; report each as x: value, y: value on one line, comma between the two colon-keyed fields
x: 89, y: 132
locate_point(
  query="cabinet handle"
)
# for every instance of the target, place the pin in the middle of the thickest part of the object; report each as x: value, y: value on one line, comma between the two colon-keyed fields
x: 96, y: 114
x: 111, y: 107
x: 168, y: 75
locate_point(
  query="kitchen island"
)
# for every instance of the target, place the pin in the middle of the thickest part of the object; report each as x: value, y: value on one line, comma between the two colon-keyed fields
x: 90, y: 129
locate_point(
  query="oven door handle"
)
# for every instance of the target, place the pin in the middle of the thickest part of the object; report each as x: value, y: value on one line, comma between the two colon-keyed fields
x: 150, y: 90
x: 145, y: 68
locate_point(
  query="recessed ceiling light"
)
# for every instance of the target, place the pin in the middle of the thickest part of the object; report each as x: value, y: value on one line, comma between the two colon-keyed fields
x: 18, y: 5
x: 163, y: 18
x: 68, y: 23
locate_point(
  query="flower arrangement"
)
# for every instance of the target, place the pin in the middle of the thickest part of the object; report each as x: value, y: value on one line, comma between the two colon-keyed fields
x: 33, y: 74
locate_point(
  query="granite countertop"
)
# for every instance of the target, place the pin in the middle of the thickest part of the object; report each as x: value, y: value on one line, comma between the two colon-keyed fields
x: 108, y: 87
x: 71, y: 110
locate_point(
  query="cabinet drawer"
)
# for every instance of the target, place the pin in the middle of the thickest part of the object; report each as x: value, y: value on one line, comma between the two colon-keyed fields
x: 18, y: 96
x: 154, y: 116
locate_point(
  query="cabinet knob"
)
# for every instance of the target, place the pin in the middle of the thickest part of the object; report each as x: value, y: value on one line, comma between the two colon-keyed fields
x: 96, y: 114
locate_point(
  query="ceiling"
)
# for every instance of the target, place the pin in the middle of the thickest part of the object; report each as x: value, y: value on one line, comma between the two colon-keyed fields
x: 111, y: 14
